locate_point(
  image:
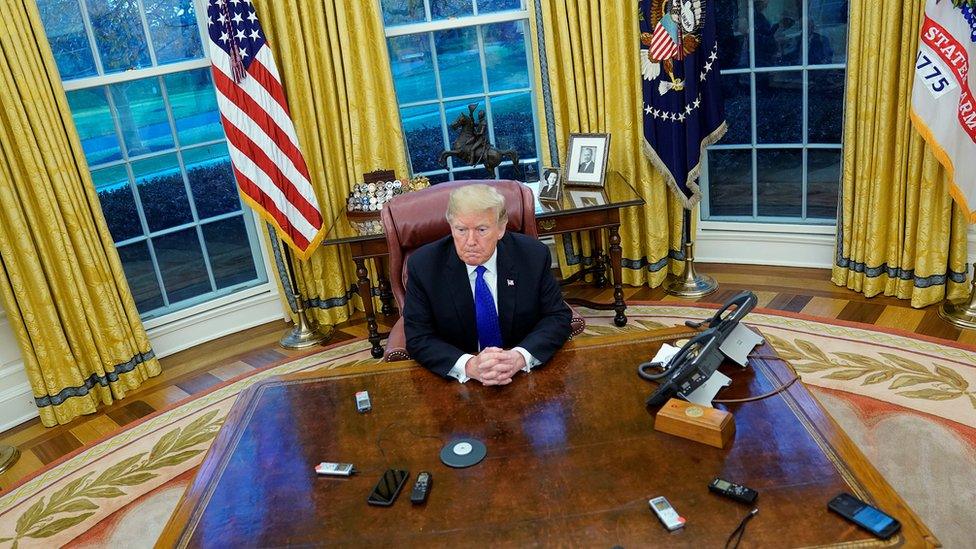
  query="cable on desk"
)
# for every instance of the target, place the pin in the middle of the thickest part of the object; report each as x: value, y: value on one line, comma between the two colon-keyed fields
x: 379, y: 439
x: 740, y: 529
x: 775, y: 391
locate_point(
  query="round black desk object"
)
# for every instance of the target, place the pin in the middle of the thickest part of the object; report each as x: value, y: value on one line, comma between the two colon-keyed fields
x: 463, y: 452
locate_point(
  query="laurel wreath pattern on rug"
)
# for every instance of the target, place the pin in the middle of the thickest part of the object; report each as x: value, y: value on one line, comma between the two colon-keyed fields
x: 74, y: 503
x: 941, y: 383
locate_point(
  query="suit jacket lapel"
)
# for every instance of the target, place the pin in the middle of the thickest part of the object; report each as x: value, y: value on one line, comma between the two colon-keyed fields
x: 506, y: 288
x: 457, y: 279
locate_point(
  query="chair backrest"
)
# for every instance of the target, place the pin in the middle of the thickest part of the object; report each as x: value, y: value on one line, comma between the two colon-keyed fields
x: 414, y: 219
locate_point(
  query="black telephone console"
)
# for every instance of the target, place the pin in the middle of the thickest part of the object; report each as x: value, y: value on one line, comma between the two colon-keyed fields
x: 701, y: 356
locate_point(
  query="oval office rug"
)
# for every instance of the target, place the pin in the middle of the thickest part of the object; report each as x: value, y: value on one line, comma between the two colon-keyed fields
x: 909, y: 403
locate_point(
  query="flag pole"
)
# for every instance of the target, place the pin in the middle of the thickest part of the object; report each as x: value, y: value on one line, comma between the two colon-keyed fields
x: 305, y: 333
x: 961, y: 313
x: 689, y: 283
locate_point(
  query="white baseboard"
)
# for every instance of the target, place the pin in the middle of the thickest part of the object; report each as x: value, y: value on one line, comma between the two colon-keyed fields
x: 787, y: 249
x: 228, y: 318
x: 17, y: 398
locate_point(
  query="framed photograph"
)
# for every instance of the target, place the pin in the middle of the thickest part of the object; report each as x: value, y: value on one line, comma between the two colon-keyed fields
x: 586, y: 163
x: 585, y: 198
x: 550, y: 186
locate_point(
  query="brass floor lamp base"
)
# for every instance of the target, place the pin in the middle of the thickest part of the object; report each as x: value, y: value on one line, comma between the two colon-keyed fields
x: 298, y: 338
x: 689, y: 283
x: 961, y: 313
x: 305, y: 334
x: 8, y: 456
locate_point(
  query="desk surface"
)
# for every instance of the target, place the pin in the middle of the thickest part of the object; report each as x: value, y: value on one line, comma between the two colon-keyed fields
x: 617, y: 193
x: 572, y: 460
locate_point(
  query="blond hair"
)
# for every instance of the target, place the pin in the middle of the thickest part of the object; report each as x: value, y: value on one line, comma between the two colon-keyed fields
x: 476, y: 197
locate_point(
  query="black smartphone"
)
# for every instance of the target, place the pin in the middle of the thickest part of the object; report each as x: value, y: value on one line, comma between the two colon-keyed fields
x: 866, y: 516
x: 388, y: 488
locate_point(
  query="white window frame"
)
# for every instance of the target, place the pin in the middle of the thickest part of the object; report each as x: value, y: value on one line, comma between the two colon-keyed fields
x: 767, y: 240
x: 231, y: 310
x: 476, y: 20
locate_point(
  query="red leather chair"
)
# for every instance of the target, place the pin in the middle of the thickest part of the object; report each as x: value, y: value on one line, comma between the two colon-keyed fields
x: 414, y: 219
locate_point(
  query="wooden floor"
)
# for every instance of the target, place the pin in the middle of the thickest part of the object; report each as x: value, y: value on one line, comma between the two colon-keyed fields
x: 195, y: 370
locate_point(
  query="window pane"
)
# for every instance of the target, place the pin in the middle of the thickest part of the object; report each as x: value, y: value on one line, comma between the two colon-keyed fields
x: 119, y: 34
x: 65, y: 31
x: 458, y: 61
x: 486, y: 6
x: 826, y: 103
x: 399, y: 12
x: 181, y: 265
x: 118, y: 204
x: 530, y: 171
x: 827, y: 29
x: 162, y: 192
x: 738, y: 106
x: 468, y: 174
x: 89, y: 109
x: 442, y: 9
x: 422, y: 128
x: 778, y: 32
x: 412, y: 67
x: 139, y: 271
x: 505, y: 57
x: 730, y: 183
x: 779, y: 178
x: 511, y: 117
x: 439, y: 178
x: 779, y: 107
x: 142, y: 116
x: 230, y: 251
x: 211, y: 180
x: 823, y: 183
x: 174, y: 30
x: 191, y: 96
x: 733, y: 36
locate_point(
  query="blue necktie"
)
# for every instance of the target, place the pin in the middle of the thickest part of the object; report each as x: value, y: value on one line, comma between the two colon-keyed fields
x: 489, y: 332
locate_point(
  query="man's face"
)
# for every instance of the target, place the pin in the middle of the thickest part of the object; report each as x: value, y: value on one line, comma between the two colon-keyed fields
x: 476, y: 235
x: 587, y: 154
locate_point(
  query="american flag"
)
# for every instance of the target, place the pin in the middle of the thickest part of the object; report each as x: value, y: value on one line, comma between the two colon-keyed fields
x: 662, y: 45
x: 270, y: 169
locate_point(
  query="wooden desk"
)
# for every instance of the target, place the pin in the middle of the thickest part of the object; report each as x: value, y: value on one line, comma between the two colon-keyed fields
x: 572, y: 460
x: 366, y: 241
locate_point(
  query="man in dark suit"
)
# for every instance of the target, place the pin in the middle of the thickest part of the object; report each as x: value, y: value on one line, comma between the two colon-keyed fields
x: 586, y: 163
x: 482, y: 303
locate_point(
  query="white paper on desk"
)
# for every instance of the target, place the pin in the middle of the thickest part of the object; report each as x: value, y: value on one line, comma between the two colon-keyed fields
x: 665, y: 354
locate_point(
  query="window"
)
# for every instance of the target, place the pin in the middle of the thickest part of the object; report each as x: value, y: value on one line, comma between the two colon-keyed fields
x: 783, y: 68
x: 448, y: 54
x: 141, y: 95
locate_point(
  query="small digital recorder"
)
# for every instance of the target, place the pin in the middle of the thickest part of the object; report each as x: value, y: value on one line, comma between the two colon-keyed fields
x: 362, y: 402
x: 334, y: 469
x: 669, y: 517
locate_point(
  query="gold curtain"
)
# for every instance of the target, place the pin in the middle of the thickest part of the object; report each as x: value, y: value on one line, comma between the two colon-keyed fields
x: 591, y: 48
x: 61, y: 281
x: 334, y: 66
x: 899, y: 231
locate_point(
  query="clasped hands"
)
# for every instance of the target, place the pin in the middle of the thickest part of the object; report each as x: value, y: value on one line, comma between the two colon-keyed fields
x: 494, y: 366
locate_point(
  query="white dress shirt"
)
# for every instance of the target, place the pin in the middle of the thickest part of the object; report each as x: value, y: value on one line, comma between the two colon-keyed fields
x: 491, y: 279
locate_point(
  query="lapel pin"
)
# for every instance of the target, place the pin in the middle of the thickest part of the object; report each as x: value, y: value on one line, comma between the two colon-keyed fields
x: 511, y: 282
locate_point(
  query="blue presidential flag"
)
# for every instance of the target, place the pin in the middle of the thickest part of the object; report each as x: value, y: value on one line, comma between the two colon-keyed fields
x: 683, y: 111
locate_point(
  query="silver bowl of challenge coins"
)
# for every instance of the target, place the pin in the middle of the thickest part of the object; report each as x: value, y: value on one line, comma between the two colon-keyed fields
x: 367, y: 198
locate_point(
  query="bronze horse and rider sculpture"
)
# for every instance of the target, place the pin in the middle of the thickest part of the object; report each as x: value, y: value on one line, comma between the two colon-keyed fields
x: 472, y: 146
